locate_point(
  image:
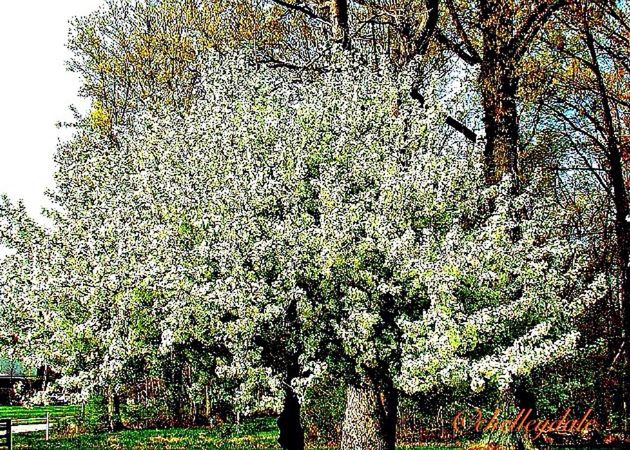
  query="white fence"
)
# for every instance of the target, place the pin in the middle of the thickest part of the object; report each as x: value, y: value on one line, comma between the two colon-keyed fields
x: 31, y: 425
x: 10, y: 427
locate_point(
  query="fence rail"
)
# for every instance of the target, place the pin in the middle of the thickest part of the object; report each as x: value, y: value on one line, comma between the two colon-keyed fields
x: 9, y: 427
x: 5, y: 434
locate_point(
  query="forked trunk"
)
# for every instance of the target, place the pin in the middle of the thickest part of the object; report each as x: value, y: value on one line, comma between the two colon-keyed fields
x: 370, y: 419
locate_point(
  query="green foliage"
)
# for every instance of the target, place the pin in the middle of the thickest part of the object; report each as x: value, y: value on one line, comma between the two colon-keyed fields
x: 95, y: 417
x: 323, y: 410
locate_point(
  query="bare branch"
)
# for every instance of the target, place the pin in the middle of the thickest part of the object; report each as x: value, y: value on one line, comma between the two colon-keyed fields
x: 300, y: 8
x: 463, y: 129
x: 422, y: 43
x: 461, y: 31
x: 455, y: 48
x: 518, y: 44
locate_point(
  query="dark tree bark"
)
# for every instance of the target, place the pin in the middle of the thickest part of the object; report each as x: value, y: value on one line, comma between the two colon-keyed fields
x: 370, y: 418
x: 503, y: 46
x: 498, y: 83
x: 340, y: 25
x: 433, y: 14
x: 289, y: 423
x: 499, y: 87
x: 113, y: 411
x: 526, y: 401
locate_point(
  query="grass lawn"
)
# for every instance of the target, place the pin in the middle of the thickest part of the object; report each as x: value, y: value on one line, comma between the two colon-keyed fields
x: 254, y: 434
x: 168, y: 439
x: 21, y: 412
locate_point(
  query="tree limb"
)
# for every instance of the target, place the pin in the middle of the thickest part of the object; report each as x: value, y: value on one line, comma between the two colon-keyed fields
x: 455, y: 48
x: 422, y: 43
x: 463, y: 129
x: 461, y: 31
x: 300, y: 8
x: 518, y: 44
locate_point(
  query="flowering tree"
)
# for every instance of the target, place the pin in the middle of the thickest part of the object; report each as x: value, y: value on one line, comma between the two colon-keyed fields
x: 275, y: 231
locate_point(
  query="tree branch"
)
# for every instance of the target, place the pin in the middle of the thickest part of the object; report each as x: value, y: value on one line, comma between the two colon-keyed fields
x: 433, y: 11
x: 455, y: 48
x: 300, y: 8
x: 463, y: 129
x: 450, y: 121
x: 461, y: 31
x: 518, y: 44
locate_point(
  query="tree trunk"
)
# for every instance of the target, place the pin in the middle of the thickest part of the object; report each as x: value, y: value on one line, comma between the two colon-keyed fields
x: 498, y: 83
x: 113, y: 411
x: 525, y: 400
x: 340, y: 26
x: 498, y: 89
x: 623, y: 238
x: 370, y: 419
x: 174, y: 378
x: 289, y: 423
x: 207, y: 404
x: 45, y: 377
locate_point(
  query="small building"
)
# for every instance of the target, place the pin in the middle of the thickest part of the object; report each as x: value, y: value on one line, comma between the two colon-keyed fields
x: 13, y: 372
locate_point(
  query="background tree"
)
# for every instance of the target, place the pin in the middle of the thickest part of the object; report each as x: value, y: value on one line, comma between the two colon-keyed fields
x: 586, y: 104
